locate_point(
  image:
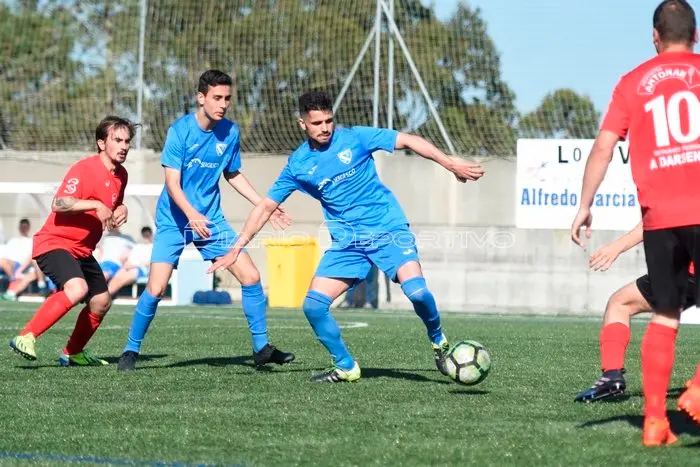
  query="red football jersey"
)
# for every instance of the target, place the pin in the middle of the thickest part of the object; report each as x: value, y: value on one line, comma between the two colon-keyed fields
x: 79, y: 232
x: 658, y: 106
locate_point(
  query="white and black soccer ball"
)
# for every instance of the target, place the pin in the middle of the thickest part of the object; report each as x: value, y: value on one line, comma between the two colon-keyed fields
x: 468, y: 363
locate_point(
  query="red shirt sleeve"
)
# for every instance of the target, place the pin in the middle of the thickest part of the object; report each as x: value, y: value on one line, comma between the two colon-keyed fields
x: 617, y: 118
x: 73, y: 183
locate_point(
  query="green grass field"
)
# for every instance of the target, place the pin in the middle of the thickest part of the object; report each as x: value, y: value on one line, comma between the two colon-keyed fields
x: 196, y: 399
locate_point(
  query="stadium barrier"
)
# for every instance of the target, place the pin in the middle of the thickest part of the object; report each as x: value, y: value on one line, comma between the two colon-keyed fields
x: 190, y: 276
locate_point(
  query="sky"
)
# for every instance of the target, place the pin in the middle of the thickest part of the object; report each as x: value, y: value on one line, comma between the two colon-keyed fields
x: 585, y: 45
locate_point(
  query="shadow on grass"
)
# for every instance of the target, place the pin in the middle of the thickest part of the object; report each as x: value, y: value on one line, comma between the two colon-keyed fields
x: 110, y: 360
x: 399, y: 374
x: 245, y: 361
x: 680, y: 423
x: 673, y: 393
x: 462, y: 391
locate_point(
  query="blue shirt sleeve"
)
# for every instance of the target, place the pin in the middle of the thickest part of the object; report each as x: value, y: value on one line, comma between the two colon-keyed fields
x: 235, y: 163
x: 173, y: 151
x: 284, y: 186
x: 375, y: 139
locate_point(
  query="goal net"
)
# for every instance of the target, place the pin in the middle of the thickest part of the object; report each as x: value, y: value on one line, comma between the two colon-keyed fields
x: 68, y: 63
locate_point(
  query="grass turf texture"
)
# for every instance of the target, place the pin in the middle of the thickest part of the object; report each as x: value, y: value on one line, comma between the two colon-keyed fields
x: 195, y: 397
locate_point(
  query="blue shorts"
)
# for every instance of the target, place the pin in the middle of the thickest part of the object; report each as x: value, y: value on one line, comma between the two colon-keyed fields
x: 110, y: 268
x: 169, y: 242
x: 388, y: 251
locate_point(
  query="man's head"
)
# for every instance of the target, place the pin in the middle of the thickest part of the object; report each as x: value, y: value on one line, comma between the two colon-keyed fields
x: 214, y: 94
x: 113, y: 137
x: 147, y: 234
x: 24, y: 227
x: 674, y: 25
x: 316, y: 116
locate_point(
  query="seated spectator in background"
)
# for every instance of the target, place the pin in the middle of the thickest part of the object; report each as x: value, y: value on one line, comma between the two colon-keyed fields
x: 16, y: 288
x: 136, y: 265
x: 16, y: 255
x: 112, y: 251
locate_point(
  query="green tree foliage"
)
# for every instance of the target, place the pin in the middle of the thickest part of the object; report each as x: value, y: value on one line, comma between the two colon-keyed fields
x: 562, y: 114
x: 79, y: 63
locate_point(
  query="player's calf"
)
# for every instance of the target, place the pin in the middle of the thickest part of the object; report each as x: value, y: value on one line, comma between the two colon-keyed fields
x: 416, y: 290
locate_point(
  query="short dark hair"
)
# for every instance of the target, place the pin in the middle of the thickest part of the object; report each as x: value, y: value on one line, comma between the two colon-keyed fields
x: 211, y: 78
x: 24, y: 220
x: 146, y: 230
x: 674, y: 20
x: 107, y: 123
x: 315, y: 100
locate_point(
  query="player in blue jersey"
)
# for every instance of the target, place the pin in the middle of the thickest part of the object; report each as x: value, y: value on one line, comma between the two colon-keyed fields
x: 199, y: 149
x: 364, y: 219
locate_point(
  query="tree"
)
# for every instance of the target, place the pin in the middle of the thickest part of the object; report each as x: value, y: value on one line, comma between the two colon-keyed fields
x: 562, y: 114
x: 81, y: 62
x: 27, y: 85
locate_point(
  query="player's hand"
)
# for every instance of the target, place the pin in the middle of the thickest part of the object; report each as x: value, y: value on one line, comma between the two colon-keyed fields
x: 604, y: 257
x: 104, y: 214
x: 200, y: 224
x: 225, y: 261
x: 280, y: 220
x: 465, y: 170
x: 583, y: 218
x: 120, y: 215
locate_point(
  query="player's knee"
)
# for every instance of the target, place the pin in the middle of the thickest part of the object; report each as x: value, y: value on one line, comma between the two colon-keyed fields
x: 314, y: 308
x: 157, y: 290
x: 100, y: 304
x: 76, y: 290
x: 622, y: 305
x: 416, y: 290
x: 249, y: 276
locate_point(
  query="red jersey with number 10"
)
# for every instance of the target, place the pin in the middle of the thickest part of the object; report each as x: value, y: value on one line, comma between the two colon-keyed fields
x: 79, y: 232
x: 658, y: 106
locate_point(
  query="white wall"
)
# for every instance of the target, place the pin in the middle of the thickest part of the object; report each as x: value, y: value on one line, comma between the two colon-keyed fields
x: 493, y: 266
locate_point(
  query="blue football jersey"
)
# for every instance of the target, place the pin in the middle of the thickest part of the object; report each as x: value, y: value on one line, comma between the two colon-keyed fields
x: 343, y: 177
x: 201, y: 157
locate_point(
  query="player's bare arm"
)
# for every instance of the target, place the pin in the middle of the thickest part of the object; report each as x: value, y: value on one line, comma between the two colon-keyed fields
x: 256, y: 220
x: 279, y: 219
x: 69, y: 204
x: 197, y: 221
x: 596, y: 167
x: 606, y: 255
x: 462, y: 169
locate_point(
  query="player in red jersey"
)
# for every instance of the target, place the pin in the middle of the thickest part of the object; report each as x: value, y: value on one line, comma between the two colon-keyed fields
x: 88, y: 201
x: 657, y: 105
x: 630, y: 300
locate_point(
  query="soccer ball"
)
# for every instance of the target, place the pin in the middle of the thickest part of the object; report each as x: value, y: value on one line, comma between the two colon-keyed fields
x: 468, y: 363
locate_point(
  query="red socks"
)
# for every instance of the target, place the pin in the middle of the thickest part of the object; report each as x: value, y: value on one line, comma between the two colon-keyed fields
x: 614, y: 339
x: 85, y: 327
x: 48, y: 314
x: 658, y: 352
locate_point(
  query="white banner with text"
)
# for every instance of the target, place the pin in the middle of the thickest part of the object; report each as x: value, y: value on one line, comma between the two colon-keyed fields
x: 548, y: 179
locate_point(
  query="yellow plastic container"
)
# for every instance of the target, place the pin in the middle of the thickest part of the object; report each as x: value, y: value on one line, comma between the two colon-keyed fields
x: 291, y: 264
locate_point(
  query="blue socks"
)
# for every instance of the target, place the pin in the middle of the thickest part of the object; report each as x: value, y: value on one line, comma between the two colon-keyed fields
x: 254, y: 308
x: 144, y: 313
x: 424, y: 304
x: 316, y: 309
